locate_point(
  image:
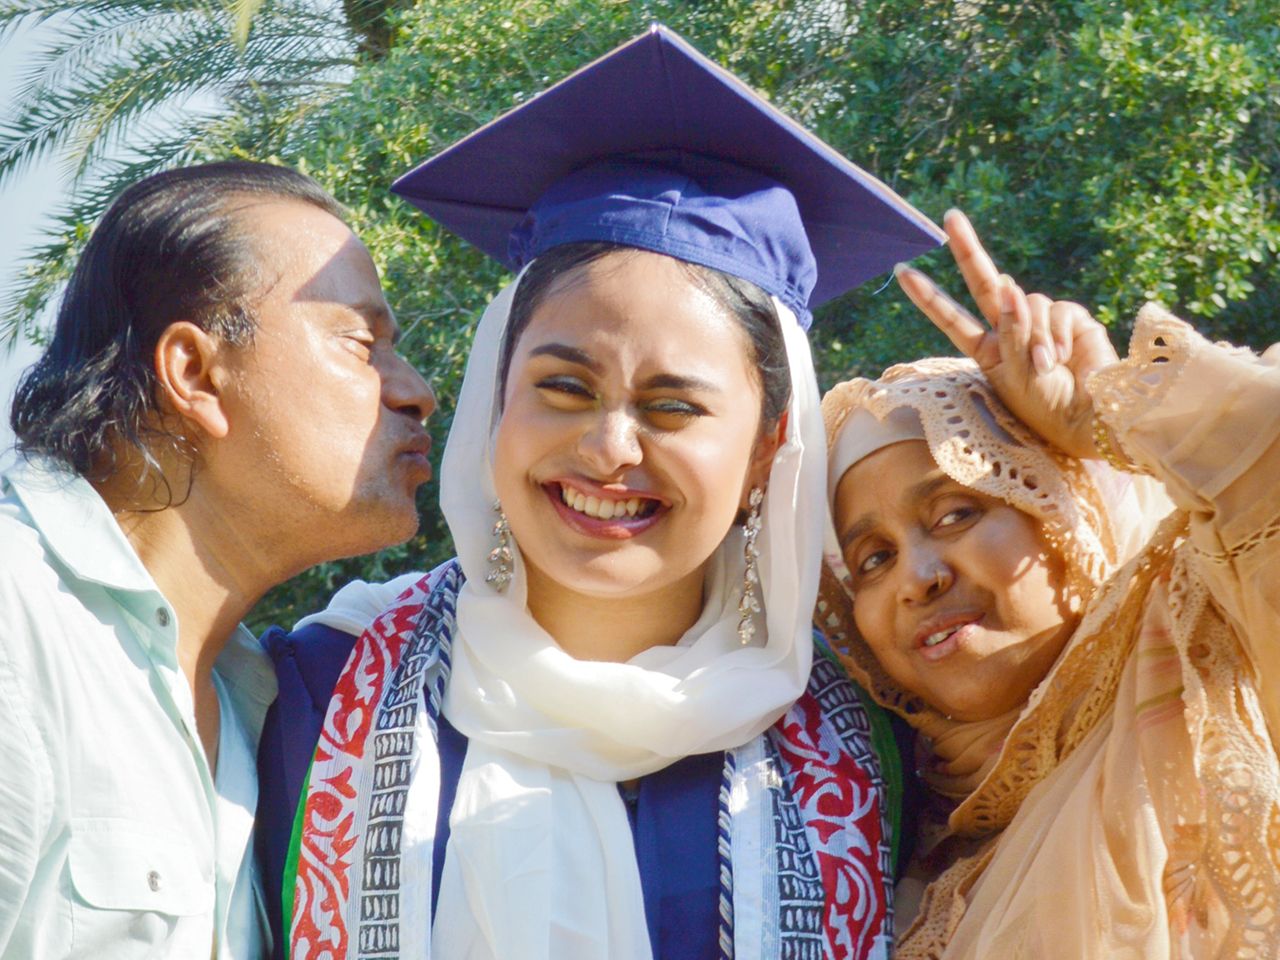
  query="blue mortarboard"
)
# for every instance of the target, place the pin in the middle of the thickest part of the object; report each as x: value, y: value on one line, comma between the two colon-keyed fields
x: 655, y: 146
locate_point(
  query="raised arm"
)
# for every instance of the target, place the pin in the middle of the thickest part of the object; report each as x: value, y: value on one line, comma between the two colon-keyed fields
x: 1204, y: 418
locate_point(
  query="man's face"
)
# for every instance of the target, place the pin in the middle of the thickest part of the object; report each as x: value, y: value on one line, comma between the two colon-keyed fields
x: 325, y: 441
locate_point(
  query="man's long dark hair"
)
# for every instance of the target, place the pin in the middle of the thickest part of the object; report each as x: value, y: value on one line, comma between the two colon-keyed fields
x: 170, y: 248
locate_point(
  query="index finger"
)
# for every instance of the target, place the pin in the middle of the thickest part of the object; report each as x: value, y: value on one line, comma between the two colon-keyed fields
x: 960, y: 326
x: 976, y: 266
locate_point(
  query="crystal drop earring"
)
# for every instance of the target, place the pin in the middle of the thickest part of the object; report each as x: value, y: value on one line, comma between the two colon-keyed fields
x: 749, y: 606
x: 499, y: 574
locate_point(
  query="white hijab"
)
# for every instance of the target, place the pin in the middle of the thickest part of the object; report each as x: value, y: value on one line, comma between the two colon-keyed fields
x: 541, y: 863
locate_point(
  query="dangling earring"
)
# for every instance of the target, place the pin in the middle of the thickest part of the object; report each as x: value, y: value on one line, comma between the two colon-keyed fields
x: 500, y: 556
x: 750, y: 603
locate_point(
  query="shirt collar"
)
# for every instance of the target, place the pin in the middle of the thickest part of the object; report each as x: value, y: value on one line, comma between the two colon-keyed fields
x: 80, y: 530
x: 250, y: 677
x: 77, y: 526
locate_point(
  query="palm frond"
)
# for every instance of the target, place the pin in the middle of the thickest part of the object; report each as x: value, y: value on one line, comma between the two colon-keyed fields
x: 122, y: 88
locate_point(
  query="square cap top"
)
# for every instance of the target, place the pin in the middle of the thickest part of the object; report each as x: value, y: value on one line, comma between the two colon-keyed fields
x: 656, y: 96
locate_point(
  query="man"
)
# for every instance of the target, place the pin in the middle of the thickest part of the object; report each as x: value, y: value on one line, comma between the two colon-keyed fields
x: 221, y: 407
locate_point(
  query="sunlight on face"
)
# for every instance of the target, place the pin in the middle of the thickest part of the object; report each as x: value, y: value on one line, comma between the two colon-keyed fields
x: 326, y: 434
x: 630, y: 418
x: 955, y: 591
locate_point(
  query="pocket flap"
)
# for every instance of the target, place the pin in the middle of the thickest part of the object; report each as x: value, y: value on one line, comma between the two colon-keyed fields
x: 119, y: 864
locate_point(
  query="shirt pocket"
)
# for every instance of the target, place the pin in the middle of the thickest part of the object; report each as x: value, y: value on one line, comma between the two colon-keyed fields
x: 122, y: 870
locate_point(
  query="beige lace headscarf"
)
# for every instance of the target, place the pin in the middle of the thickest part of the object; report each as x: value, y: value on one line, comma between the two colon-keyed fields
x: 978, y: 443
x: 1093, y: 516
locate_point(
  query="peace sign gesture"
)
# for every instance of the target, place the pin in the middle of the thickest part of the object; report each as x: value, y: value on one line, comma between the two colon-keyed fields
x: 1036, y: 352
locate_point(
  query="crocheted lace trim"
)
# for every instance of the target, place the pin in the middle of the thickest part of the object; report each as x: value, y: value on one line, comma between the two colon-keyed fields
x: 1125, y: 392
x: 1231, y: 856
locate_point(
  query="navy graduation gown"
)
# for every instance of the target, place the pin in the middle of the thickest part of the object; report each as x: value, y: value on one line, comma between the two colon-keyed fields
x: 673, y: 812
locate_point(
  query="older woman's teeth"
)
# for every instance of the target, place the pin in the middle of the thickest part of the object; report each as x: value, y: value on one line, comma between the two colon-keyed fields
x: 936, y: 638
x: 601, y: 509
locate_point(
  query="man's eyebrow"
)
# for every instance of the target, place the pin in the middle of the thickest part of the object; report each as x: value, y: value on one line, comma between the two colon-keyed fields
x: 563, y: 351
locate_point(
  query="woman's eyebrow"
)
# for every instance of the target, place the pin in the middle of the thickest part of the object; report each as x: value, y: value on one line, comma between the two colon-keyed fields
x: 864, y: 524
x: 676, y: 381
x: 563, y: 351
x: 921, y: 490
x: 928, y: 486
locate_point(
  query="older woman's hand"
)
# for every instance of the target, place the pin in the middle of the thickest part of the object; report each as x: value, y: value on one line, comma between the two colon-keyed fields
x: 1036, y: 352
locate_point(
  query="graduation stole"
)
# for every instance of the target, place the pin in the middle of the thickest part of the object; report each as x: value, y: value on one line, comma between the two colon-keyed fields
x: 822, y: 888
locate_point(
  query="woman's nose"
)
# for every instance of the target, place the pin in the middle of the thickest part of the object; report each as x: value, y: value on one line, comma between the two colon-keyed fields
x: 611, y: 443
x: 925, y: 575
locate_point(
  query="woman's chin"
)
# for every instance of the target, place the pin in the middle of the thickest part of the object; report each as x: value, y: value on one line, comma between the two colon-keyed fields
x: 620, y: 574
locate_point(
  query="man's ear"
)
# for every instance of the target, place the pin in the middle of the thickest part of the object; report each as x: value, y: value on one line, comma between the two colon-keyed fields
x: 762, y: 457
x: 188, y: 374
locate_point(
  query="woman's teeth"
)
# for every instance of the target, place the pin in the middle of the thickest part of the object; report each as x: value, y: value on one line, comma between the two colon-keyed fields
x: 606, y: 509
x: 936, y: 638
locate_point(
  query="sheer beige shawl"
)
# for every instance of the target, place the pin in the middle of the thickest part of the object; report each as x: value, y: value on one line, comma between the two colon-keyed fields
x: 1132, y: 807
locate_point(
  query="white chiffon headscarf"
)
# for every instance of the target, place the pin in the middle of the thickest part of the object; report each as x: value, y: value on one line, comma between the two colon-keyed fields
x: 541, y: 862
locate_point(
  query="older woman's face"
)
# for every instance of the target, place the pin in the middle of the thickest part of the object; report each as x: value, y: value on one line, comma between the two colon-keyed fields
x: 628, y: 439
x: 956, y: 592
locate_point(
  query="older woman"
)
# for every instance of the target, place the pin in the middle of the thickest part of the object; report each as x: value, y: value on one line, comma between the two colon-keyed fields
x: 600, y: 732
x: 1099, y: 729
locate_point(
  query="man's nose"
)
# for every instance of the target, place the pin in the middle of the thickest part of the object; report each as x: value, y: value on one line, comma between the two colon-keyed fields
x: 407, y: 391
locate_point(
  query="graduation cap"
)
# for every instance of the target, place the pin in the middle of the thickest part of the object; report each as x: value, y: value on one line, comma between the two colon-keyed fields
x: 657, y: 147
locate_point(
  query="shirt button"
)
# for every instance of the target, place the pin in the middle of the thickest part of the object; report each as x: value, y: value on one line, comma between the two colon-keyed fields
x: 162, y: 616
x: 153, y: 880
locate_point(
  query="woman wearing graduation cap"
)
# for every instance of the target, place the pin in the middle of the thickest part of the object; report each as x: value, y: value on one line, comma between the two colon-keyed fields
x: 601, y: 731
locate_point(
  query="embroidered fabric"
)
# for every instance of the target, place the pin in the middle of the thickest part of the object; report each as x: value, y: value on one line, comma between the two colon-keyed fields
x: 821, y: 888
x: 1155, y: 711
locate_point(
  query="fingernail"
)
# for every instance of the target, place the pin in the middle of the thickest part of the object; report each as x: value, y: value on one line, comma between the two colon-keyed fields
x: 1063, y: 353
x: 1041, y: 359
x: 899, y: 269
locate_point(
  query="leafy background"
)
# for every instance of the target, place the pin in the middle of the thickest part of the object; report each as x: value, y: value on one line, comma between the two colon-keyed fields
x: 1109, y: 152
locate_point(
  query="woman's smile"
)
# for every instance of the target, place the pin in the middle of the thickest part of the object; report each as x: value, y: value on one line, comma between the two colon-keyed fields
x: 942, y: 635
x: 610, y: 515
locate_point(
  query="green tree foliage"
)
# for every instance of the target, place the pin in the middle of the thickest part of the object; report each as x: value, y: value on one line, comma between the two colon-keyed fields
x: 1110, y: 151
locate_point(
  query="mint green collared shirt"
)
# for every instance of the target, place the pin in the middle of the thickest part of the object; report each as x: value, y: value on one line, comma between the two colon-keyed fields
x: 115, y: 841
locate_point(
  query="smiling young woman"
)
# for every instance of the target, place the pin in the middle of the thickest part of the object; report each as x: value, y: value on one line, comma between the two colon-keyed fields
x: 599, y: 414
x: 601, y: 733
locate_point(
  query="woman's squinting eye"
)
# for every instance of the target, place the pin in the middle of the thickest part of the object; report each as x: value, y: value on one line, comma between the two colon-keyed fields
x: 669, y: 413
x: 872, y: 562
x: 564, y: 386
x: 956, y: 516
